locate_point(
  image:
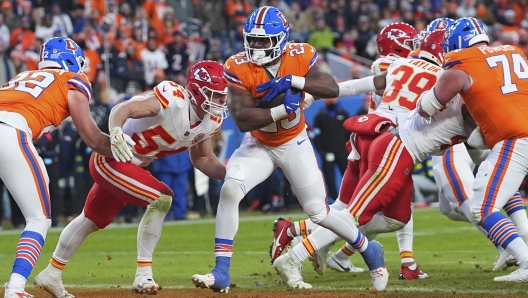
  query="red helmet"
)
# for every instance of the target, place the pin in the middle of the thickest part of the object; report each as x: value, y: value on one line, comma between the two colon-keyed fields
x: 431, y: 47
x: 397, y: 39
x: 208, y: 88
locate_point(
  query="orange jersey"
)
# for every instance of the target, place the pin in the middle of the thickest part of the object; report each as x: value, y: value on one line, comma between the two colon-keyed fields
x: 41, y: 97
x: 498, y: 96
x: 241, y: 73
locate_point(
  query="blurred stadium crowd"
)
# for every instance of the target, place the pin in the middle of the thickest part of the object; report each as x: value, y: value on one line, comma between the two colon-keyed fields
x: 132, y: 45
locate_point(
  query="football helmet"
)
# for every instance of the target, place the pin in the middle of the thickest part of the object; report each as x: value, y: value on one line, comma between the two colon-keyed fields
x: 464, y: 33
x: 266, y: 23
x: 208, y: 87
x: 61, y: 52
x: 431, y: 47
x: 437, y: 24
x: 397, y: 39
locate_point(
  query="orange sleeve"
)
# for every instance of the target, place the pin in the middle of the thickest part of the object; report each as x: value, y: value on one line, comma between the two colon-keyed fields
x: 80, y: 83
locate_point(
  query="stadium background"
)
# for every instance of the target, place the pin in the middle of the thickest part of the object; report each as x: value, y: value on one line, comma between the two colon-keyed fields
x: 132, y: 45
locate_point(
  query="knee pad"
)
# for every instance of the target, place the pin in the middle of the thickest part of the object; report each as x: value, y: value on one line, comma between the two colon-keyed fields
x: 316, y: 211
x: 338, y: 205
x: 40, y: 225
x: 162, y: 204
x: 232, y: 189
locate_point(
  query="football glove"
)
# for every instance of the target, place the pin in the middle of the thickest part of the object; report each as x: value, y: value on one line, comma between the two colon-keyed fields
x: 120, y: 145
x: 275, y: 87
x: 292, y: 101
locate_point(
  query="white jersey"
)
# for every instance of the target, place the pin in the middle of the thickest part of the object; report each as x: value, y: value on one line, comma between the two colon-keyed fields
x: 406, y: 80
x: 380, y: 65
x: 170, y: 131
x: 423, y: 139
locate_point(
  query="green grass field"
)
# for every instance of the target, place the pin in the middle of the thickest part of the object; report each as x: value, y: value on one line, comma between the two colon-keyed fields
x: 455, y: 255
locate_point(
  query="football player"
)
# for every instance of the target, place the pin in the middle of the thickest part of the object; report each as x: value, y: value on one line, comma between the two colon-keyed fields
x: 32, y: 104
x: 168, y: 120
x: 381, y: 200
x: 500, y: 110
x: 269, y: 66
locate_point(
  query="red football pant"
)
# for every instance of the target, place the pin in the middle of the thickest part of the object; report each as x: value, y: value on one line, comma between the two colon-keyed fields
x: 387, y: 184
x: 116, y: 184
x: 356, y: 168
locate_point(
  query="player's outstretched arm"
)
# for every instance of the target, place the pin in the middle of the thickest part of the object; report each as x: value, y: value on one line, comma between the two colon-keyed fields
x: 451, y: 82
x: 363, y: 85
x: 204, y: 159
x: 88, y: 130
x: 241, y: 106
x: 137, y: 107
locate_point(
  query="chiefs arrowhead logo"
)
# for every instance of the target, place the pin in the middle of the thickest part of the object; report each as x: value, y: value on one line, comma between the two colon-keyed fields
x: 395, y: 33
x: 201, y: 74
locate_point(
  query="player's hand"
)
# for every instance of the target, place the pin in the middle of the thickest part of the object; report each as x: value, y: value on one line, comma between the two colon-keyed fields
x: 275, y: 87
x: 292, y: 101
x: 120, y: 145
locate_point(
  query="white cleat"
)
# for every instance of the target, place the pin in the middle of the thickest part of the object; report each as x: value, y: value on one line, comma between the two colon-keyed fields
x: 290, y: 273
x: 206, y: 281
x: 504, y: 260
x: 145, y: 285
x: 519, y: 275
x: 12, y: 293
x: 319, y: 259
x: 342, y: 266
x: 380, y: 278
x: 52, y: 285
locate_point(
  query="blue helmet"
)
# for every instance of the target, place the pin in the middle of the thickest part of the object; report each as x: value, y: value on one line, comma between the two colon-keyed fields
x: 439, y: 24
x: 61, y: 52
x: 266, y: 22
x: 464, y: 33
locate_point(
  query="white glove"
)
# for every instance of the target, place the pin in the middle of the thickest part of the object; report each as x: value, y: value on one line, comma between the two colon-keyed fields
x: 308, y: 100
x: 119, y: 145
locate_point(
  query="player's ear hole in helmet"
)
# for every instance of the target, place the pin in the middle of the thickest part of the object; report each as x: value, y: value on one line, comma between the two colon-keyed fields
x: 207, y: 87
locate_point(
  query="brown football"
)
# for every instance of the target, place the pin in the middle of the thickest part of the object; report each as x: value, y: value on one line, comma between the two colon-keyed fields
x: 276, y: 101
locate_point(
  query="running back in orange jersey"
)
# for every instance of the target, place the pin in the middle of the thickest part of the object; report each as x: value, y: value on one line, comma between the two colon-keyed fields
x: 498, y: 96
x: 41, y: 97
x: 241, y: 73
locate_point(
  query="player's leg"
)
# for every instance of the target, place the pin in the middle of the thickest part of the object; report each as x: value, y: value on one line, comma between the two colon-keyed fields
x: 99, y: 211
x: 249, y: 165
x: 301, y: 169
x: 498, y: 178
x: 24, y: 174
x: 137, y: 186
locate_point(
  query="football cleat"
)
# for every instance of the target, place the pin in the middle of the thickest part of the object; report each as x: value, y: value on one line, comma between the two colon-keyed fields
x: 220, y: 283
x: 342, y: 266
x: 280, y: 238
x: 52, y: 285
x: 290, y: 272
x: 12, y: 293
x: 373, y: 257
x: 519, y: 275
x: 408, y: 274
x: 504, y: 260
x: 319, y: 259
x: 145, y: 285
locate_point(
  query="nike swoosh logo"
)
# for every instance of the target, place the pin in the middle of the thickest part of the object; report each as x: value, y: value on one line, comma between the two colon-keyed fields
x: 300, y: 142
x: 344, y: 269
x: 164, y: 88
x: 277, y: 243
x: 277, y: 80
x: 227, y: 66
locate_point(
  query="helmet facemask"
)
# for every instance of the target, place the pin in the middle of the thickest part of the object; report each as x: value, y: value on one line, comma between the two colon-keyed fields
x: 211, y: 101
x: 261, y: 56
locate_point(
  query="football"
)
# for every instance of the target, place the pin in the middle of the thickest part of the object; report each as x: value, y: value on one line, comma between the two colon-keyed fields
x: 276, y: 101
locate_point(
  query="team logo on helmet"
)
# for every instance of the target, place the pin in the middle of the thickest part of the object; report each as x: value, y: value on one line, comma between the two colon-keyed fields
x: 395, y: 33
x: 442, y: 24
x: 201, y: 74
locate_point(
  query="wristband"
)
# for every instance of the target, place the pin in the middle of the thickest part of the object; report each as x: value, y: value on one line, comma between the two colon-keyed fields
x: 429, y: 103
x: 298, y: 82
x: 278, y: 112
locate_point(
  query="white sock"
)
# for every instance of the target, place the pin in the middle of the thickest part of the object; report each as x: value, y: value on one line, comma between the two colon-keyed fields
x: 520, y: 220
x: 149, y: 230
x: 405, y: 241
x: 345, y: 252
x: 302, y: 228
x: 319, y: 238
x: 144, y: 271
x: 17, y: 281
x: 517, y: 248
x: 71, y: 239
